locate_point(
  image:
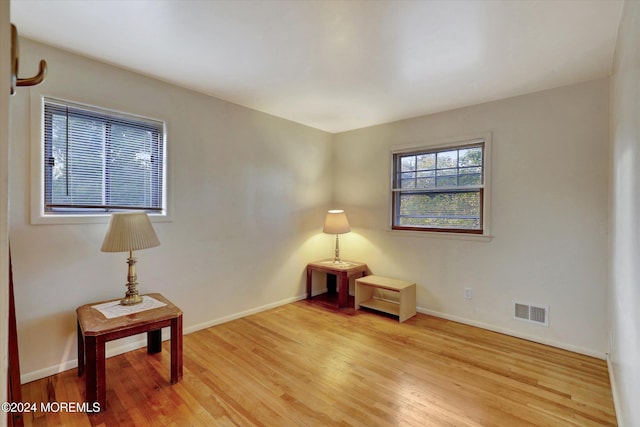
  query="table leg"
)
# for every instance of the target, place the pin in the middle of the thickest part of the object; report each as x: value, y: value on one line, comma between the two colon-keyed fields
x: 309, y: 274
x: 343, y: 290
x: 154, y: 341
x: 96, y: 384
x: 176, y: 349
x: 80, y: 351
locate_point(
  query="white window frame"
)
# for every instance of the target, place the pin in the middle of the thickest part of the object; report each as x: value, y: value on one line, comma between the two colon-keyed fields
x: 452, y: 143
x: 38, y: 213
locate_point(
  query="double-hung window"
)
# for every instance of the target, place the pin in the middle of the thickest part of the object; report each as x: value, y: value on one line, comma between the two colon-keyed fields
x: 98, y: 161
x: 440, y: 189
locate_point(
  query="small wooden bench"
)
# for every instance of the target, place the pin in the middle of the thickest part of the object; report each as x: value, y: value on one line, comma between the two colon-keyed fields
x: 366, y: 296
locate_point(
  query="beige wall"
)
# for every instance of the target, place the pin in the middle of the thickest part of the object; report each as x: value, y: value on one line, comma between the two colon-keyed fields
x: 549, y: 215
x: 249, y: 193
x: 625, y: 211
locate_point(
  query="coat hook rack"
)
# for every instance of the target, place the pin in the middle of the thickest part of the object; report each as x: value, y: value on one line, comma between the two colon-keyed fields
x: 30, y: 81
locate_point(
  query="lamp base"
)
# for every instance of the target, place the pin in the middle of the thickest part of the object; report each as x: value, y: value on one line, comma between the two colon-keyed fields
x: 336, y: 258
x: 131, y: 296
x: 131, y: 300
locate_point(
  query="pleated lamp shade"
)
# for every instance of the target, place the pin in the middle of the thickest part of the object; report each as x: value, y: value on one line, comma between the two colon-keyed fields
x: 336, y: 222
x: 129, y: 231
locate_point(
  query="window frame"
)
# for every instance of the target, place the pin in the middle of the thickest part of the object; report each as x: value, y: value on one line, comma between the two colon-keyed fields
x: 39, y: 214
x: 484, y: 189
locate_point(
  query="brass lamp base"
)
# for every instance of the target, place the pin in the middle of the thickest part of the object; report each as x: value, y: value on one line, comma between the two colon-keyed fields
x: 131, y: 296
x: 131, y: 300
x: 336, y: 258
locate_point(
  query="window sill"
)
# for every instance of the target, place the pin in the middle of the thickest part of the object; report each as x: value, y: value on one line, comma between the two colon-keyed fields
x: 441, y: 235
x: 102, y: 218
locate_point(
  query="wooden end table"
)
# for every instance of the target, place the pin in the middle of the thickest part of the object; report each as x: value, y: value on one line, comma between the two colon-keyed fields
x: 343, y: 271
x: 94, y: 330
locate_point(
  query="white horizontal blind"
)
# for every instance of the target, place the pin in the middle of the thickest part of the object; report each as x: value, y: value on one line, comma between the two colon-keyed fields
x: 97, y: 161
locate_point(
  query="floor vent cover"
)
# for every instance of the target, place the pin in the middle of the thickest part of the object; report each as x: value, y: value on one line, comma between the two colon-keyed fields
x: 531, y: 313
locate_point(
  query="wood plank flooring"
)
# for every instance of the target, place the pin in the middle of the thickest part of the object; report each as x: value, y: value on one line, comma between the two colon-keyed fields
x: 304, y: 365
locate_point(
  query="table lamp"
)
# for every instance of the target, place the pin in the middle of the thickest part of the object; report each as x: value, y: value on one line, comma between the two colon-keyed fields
x: 336, y: 223
x: 130, y: 231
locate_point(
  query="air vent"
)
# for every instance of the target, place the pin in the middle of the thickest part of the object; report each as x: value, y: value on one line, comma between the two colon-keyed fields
x: 531, y: 313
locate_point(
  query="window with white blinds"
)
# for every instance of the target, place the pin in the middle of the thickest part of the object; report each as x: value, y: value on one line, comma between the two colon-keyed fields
x: 440, y: 189
x: 100, y: 161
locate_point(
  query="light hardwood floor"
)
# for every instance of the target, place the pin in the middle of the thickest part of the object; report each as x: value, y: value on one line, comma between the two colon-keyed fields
x: 304, y: 365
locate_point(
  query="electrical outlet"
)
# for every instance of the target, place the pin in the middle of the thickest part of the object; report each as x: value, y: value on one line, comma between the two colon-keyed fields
x: 468, y: 294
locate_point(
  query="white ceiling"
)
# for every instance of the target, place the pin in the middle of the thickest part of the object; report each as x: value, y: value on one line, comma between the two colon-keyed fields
x: 339, y: 65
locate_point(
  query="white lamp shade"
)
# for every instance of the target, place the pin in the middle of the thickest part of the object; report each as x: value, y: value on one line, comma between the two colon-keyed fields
x: 129, y: 231
x: 336, y: 222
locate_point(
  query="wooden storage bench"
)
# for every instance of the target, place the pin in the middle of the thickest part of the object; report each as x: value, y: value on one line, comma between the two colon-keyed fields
x: 365, y: 296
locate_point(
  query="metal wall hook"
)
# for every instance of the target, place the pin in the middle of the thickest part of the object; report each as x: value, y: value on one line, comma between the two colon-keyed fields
x: 30, y: 81
x: 37, y: 79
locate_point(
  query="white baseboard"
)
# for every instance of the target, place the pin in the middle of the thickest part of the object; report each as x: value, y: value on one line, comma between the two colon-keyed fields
x: 71, y: 364
x: 114, y: 351
x: 614, y: 391
x: 552, y: 343
x: 241, y: 314
x: 142, y: 342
